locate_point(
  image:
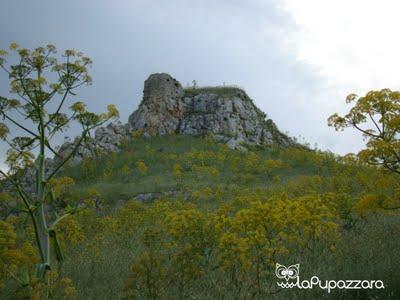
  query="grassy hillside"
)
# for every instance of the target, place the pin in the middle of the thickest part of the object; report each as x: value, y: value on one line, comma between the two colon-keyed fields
x: 147, y: 165
x: 219, y: 220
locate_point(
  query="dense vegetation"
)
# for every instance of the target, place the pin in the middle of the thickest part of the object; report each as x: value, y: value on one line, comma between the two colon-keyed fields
x: 222, y: 221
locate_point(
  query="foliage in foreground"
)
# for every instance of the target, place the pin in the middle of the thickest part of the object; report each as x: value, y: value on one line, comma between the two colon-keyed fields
x: 376, y: 116
x: 41, y: 86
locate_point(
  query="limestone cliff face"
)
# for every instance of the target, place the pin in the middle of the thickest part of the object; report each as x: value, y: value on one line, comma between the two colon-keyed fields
x: 226, y: 112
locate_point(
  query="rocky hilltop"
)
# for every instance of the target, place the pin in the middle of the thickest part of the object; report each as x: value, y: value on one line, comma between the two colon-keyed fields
x: 168, y: 108
x: 226, y: 112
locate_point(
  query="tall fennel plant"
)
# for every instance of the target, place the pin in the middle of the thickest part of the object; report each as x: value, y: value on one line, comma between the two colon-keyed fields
x: 41, y: 85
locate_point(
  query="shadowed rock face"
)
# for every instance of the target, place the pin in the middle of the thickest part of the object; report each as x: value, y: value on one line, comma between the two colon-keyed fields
x: 226, y: 112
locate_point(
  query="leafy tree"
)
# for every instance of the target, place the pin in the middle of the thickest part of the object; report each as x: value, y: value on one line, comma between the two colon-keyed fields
x: 41, y: 84
x: 377, y: 116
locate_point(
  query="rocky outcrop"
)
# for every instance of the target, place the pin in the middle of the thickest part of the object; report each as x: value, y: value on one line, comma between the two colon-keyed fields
x: 105, y: 140
x: 227, y: 112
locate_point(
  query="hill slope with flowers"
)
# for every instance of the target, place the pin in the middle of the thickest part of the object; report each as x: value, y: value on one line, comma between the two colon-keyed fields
x: 182, y: 216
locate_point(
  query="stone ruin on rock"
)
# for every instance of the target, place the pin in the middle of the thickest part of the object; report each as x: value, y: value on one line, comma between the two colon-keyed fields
x: 168, y: 108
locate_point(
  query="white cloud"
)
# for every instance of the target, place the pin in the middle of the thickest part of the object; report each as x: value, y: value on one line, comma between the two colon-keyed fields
x: 353, y: 44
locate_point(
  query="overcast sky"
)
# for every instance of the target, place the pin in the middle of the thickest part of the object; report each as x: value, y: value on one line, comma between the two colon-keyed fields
x: 297, y: 59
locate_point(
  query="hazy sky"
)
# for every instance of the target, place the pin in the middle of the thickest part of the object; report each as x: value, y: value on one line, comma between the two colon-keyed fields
x: 296, y: 59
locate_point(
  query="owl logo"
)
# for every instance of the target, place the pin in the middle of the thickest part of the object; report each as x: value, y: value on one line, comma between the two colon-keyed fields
x: 291, y: 272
